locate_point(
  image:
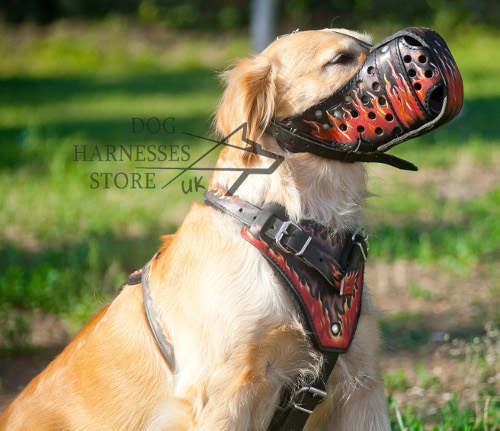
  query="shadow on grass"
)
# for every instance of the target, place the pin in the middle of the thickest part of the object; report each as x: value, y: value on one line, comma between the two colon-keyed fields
x: 415, y: 331
x: 40, y: 138
x: 21, y: 91
x: 38, y: 146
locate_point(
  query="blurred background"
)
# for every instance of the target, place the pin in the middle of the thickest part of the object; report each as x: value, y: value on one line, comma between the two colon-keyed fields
x: 74, y: 72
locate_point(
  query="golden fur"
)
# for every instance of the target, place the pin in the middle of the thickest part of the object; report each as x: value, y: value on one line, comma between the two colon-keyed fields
x: 237, y: 336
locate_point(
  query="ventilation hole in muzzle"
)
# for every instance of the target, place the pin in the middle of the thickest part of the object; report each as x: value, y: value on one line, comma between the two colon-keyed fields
x: 371, y: 115
x: 417, y: 86
x: 355, y: 114
x: 382, y: 101
x: 428, y: 74
x: 407, y: 59
x: 360, y: 84
x: 412, y: 73
x: 397, y: 131
x: 370, y: 70
x: 411, y: 41
x: 436, y: 100
x: 365, y: 99
x: 361, y: 129
x: 376, y: 86
x: 379, y: 131
x: 343, y: 127
x: 422, y: 59
x: 389, y: 117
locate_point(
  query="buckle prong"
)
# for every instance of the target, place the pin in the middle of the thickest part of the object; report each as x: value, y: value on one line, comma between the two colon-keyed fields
x: 312, y: 390
x: 283, y: 230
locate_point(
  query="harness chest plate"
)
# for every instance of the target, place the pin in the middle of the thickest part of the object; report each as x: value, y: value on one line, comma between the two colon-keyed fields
x: 327, y: 282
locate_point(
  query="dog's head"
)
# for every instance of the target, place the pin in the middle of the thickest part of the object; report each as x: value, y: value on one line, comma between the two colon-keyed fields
x: 330, y: 93
x: 338, y: 106
x: 291, y: 75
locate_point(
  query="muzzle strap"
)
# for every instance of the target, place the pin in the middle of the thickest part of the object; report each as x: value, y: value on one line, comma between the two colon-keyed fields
x: 301, y: 143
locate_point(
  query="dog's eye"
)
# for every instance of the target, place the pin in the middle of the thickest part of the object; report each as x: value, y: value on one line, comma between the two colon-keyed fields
x: 341, y: 58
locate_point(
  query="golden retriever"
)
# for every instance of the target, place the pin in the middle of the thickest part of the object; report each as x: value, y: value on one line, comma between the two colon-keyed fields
x: 237, y: 335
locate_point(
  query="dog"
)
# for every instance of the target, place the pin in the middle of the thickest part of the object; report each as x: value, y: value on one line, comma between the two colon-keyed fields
x: 238, y: 336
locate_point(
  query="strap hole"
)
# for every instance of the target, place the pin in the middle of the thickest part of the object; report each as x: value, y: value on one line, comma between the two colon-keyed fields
x: 240, y: 210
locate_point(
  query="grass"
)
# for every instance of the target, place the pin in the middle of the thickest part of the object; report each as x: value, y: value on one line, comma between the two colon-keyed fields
x: 65, y: 248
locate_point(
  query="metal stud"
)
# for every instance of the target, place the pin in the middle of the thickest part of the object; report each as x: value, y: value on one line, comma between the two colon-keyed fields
x: 348, y: 99
x: 318, y: 114
x: 326, y: 126
x: 335, y: 329
x: 337, y: 113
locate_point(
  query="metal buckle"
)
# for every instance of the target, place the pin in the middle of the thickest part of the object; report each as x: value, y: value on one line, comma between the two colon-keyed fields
x: 314, y: 391
x: 283, y: 231
x: 365, y: 240
x: 363, y: 253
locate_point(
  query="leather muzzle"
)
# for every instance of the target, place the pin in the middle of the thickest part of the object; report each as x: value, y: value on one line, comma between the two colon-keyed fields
x: 408, y: 84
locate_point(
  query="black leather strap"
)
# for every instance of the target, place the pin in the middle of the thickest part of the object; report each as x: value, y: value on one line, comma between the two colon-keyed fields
x: 290, y: 237
x: 295, y: 409
x: 297, y: 142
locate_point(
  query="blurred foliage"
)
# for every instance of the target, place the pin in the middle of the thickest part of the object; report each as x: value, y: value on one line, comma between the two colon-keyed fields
x: 224, y: 14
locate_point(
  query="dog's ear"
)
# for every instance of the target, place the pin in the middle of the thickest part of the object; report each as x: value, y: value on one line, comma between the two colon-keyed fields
x: 249, y: 98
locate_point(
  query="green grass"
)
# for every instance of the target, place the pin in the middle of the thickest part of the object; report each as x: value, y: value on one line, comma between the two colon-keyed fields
x: 451, y: 417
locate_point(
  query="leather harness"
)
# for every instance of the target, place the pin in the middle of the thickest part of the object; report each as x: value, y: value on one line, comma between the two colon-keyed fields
x: 323, y: 274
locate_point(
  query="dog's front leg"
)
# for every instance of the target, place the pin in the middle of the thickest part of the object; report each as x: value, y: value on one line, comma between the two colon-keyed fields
x: 231, y: 398
x: 242, y: 392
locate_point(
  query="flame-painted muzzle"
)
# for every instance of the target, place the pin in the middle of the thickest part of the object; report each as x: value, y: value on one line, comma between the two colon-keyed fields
x: 407, y: 85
